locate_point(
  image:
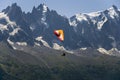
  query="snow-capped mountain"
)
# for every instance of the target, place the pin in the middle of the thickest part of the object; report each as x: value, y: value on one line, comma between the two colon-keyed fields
x: 99, y: 30
x: 10, y: 31
x: 98, y: 18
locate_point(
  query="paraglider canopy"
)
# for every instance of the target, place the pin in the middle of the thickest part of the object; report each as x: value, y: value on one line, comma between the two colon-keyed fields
x: 59, y: 34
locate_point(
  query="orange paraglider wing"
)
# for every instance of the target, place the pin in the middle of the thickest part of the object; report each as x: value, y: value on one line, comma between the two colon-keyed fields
x: 59, y: 34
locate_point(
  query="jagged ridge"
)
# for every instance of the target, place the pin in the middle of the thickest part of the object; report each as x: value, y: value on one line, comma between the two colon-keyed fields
x: 95, y: 30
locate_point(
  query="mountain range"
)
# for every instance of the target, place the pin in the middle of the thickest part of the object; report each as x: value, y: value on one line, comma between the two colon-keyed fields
x: 98, y: 30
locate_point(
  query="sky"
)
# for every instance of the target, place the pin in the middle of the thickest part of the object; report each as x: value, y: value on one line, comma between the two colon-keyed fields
x: 64, y: 7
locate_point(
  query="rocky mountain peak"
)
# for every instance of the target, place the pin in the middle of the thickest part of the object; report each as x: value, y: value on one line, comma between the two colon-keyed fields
x: 12, y: 9
x: 113, y: 7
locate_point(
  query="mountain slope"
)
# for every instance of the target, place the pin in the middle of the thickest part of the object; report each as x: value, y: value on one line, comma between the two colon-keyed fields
x: 36, y: 63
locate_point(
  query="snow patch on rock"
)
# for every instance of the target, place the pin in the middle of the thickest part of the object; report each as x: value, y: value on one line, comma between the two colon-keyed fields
x: 113, y: 51
x: 37, y: 44
x: 83, y: 49
x: 43, y: 41
x: 103, y: 51
x: 58, y: 47
x: 112, y: 13
x: 15, y: 31
x: 21, y: 43
x: 10, y: 42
